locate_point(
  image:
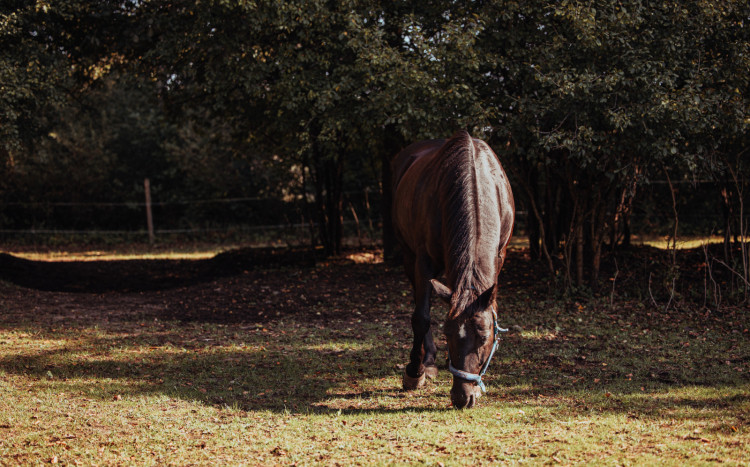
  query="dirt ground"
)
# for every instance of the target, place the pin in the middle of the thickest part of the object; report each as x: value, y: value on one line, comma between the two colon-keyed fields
x: 254, y: 284
x: 240, y: 286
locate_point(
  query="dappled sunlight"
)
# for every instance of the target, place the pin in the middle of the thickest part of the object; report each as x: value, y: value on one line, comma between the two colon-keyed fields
x: 328, y: 371
x: 518, y: 242
x: 661, y: 242
x: 109, y: 255
x: 263, y: 366
x: 208, y: 251
x: 21, y: 342
x: 340, y: 346
x: 695, y: 402
x: 366, y: 257
x: 683, y: 243
x: 541, y: 334
x: 196, y: 200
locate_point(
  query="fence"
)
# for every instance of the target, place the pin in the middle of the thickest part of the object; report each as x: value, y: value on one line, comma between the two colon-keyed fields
x: 259, y: 219
x: 294, y: 221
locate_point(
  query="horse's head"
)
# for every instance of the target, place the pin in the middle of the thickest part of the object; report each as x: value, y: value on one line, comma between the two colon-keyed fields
x: 471, y: 331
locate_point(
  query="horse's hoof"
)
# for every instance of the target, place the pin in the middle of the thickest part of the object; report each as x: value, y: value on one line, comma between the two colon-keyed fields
x: 411, y: 384
x: 431, y: 371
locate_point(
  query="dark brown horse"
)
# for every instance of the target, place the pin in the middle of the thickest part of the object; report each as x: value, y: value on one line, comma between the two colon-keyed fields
x: 453, y: 213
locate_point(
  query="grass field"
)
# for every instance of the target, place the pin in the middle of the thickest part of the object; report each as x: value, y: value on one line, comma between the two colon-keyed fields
x: 310, y: 374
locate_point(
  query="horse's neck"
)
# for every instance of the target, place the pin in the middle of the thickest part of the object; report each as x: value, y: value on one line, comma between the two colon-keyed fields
x: 473, y: 225
x: 477, y: 277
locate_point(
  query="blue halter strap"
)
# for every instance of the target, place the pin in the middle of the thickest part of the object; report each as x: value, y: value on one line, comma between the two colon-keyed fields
x: 477, y: 378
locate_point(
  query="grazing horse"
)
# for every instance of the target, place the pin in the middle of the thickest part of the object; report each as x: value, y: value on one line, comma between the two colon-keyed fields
x: 453, y: 213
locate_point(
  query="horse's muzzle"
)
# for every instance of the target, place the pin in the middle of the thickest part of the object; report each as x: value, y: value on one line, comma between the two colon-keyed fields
x: 464, y: 395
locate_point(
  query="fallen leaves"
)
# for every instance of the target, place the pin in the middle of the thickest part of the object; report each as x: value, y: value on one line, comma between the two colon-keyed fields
x: 282, y: 378
x: 278, y: 452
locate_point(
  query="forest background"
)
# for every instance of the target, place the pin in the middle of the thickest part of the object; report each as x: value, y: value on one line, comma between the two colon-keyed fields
x: 609, y: 116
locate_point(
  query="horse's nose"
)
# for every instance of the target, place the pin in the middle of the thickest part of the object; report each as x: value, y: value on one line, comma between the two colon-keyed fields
x: 463, y: 397
x: 463, y: 401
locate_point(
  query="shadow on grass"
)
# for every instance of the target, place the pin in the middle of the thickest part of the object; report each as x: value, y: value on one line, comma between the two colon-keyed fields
x: 255, y: 374
x: 144, y: 275
x: 307, y: 368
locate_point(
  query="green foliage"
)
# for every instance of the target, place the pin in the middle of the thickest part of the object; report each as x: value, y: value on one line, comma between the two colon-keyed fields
x: 598, y: 97
x: 290, y: 98
x: 31, y: 76
x: 104, y: 144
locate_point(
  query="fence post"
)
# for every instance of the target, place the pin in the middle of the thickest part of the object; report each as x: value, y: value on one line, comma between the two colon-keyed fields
x: 149, y: 218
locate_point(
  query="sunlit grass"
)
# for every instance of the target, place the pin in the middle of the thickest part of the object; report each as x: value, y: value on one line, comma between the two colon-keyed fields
x: 207, y: 251
x: 683, y: 243
x: 109, y: 255
x: 662, y: 243
x: 585, y: 382
x: 157, y: 393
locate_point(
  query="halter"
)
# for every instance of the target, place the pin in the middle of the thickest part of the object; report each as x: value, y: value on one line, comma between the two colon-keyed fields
x: 477, y: 378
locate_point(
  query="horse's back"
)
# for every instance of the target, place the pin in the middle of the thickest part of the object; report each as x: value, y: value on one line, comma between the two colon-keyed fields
x: 421, y: 182
x: 407, y: 156
x: 412, y: 188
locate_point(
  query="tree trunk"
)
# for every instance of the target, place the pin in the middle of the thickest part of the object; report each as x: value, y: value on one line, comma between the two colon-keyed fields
x: 329, y: 171
x: 598, y: 229
x: 305, y: 205
x: 334, y: 174
x: 533, y: 226
x: 579, y: 254
x: 554, y: 228
x: 533, y: 234
x: 726, y: 209
x: 393, y: 143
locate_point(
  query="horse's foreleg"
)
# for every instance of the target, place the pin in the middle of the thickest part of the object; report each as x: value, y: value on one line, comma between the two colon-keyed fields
x: 430, y: 351
x: 422, y: 345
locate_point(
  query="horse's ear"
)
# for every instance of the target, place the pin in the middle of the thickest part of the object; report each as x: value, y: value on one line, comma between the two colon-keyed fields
x: 487, y: 297
x: 441, y: 290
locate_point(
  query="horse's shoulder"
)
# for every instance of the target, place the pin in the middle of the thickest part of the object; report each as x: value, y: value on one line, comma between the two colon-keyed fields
x: 410, y: 154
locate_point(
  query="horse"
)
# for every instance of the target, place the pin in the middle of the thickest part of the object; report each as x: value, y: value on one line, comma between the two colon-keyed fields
x: 453, y: 214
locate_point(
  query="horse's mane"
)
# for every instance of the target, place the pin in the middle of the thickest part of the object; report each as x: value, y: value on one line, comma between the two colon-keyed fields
x: 461, y: 220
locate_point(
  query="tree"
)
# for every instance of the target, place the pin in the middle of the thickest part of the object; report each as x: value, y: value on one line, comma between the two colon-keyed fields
x: 295, y: 98
x: 51, y: 53
x: 590, y: 99
x: 325, y: 81
x: 33, y: 76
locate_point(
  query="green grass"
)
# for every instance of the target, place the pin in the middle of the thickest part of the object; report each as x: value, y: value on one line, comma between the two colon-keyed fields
x: 289, y: 392
x: 573, y: 383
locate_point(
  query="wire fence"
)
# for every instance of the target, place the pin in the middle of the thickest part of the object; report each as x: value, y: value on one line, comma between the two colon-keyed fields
x: 259, y: 219
x: 294, y: 221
